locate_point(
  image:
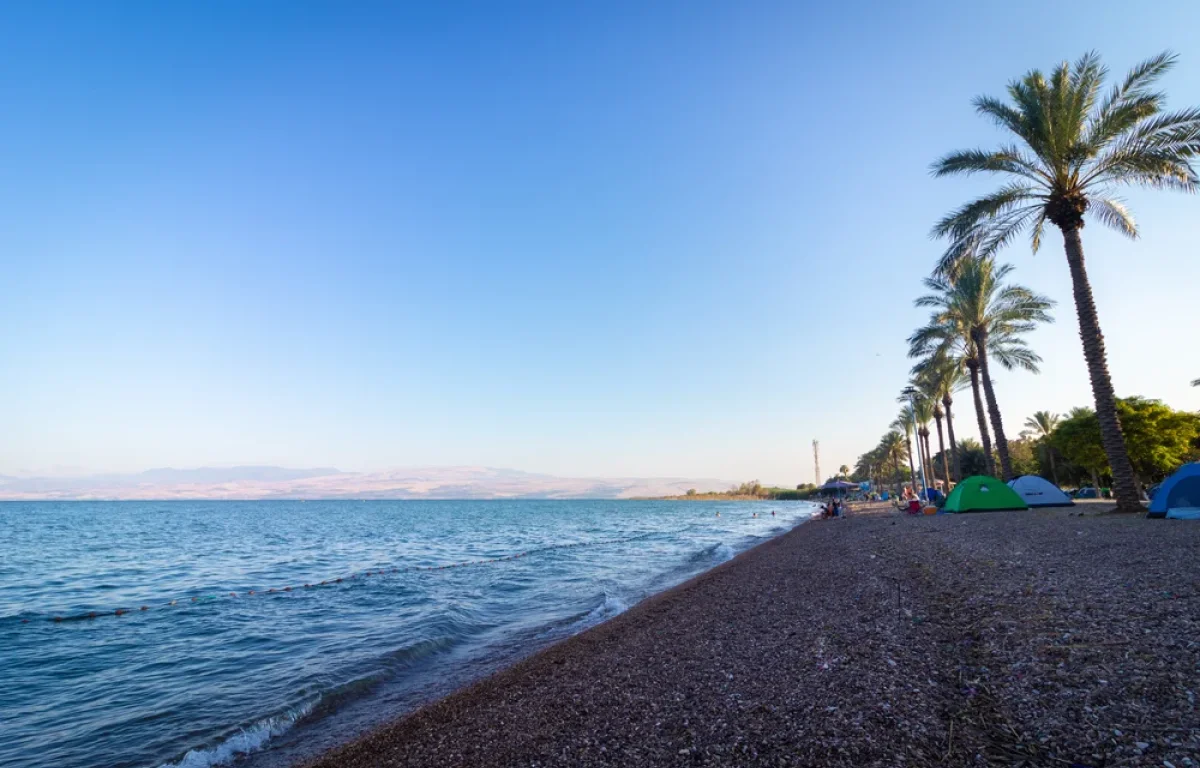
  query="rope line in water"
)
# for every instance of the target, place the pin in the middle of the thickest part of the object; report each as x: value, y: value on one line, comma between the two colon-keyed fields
x: 342, y: 579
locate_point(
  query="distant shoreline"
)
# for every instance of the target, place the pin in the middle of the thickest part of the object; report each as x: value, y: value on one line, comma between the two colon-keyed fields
x: 707, y: 497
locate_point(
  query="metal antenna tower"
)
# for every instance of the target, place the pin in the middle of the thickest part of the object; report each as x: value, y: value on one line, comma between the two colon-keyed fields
x: 816, y: 463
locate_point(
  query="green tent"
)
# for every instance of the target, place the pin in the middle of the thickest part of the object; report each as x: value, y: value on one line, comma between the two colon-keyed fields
x: 981, y: 493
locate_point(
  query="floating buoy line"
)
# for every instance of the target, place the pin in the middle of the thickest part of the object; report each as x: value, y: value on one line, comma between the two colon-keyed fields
x: 332, y: 582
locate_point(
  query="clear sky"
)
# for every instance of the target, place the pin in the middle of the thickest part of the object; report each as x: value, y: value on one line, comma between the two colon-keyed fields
x: 577, y: 238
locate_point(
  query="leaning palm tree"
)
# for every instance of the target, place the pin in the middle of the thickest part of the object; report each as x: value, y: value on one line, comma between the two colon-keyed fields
x: 977, y: 308
x: 1073, y: 148
x: 1039, y: 426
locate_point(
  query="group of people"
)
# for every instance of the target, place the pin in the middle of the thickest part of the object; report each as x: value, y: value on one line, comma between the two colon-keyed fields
x: 835, y: 507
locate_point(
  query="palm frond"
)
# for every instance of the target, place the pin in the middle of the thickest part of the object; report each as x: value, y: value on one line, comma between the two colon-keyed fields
x: 1037, y: 230
x: 1004, y: 115
x: 1111, y: 212
x: 968, y: 217
x: 1005, y: 160
x: 999, y: 231
x: 1014, y: 356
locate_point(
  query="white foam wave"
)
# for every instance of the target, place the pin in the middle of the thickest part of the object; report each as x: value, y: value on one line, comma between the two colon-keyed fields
x: 243, y: 742
x: 611, y: 606
x: 723, y: 552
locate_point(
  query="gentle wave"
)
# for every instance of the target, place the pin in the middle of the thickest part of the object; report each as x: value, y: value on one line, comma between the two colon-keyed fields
x: 244, y: 742
x: 296, y: 667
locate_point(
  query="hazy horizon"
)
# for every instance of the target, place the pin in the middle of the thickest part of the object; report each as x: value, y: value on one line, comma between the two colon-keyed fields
x: 665, y: 240
x: 258, y: 482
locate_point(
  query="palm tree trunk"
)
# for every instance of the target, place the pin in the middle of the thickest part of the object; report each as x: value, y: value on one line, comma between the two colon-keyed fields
x: 929, y: 476
x: 984, y: 435
x: 1053, y: 469
x: 947, y: 402
x: 993, y: 409
x: 1125, y: 486
x: 912, y: 472
x: 945, y: 460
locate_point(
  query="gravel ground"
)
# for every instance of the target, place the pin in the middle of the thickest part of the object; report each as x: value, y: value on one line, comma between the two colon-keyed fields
x: 1034, y: 638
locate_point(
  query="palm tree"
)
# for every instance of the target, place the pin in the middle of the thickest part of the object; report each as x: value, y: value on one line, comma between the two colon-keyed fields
x: 843, y: 471
x: 923, y: 414
x: 904, y: 423
x: 976, y: 310
x: 945, y: 337
x: 866, y: 466
x: 1039, y: 426
x: 1073, y: 148
x: 891, y: 448
x: 1042, y: 423
x: 940, y: 377
x: 943, y: 376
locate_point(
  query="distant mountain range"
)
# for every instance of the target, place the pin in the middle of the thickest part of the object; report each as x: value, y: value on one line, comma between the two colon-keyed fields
x: 264, y: 482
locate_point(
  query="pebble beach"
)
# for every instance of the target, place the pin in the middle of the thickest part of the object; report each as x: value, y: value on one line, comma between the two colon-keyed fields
x: 1058, y: 637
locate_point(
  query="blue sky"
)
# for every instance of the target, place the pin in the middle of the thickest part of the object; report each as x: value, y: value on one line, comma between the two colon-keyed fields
x: 577, y: 238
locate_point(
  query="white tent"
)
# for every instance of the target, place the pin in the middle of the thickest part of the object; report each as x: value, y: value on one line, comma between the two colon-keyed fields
x: 1039, y: 492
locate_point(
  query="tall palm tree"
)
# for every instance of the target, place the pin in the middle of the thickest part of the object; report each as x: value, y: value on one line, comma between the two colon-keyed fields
x: 977, y: 302
x: 940, y: 377
x: 1039, y: 426
x: 1073, y: 148
x: 904, y: 423
x: 843, y: 471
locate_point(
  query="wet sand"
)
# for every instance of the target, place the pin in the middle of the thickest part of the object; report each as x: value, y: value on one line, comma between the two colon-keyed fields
x: 1040, y: 638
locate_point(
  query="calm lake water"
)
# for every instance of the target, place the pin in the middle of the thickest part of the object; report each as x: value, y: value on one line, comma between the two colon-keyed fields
x: 201, y: 677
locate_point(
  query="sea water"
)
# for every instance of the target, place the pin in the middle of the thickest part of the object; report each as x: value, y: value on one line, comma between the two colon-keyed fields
x: 271, y: 629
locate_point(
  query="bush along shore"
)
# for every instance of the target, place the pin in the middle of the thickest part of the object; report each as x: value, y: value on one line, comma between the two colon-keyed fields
x: 1033, y: 638
x: 751, y: 491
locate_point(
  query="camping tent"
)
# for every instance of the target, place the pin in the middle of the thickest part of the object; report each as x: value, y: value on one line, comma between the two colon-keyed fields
x: 1179, y: 495
x: 980, y: 493
x: 1039, y: 492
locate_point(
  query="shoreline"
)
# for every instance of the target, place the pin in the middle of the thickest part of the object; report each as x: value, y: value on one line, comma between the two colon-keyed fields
x: 869, y: 640
x: 357, y: 719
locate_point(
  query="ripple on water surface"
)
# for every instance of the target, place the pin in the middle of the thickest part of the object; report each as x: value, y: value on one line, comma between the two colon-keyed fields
x: 224, y: 628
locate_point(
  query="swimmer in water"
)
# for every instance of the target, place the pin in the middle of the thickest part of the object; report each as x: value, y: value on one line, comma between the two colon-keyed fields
x: 772, y: 513
x: 718, y: 514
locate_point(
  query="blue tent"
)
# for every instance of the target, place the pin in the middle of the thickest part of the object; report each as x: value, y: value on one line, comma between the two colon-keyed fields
x: 1179, y: 495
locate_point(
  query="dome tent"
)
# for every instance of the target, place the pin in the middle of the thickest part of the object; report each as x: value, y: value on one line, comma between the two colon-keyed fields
x: 980, y: 493
x: 1179, y: 495
x: 1039, y: 492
